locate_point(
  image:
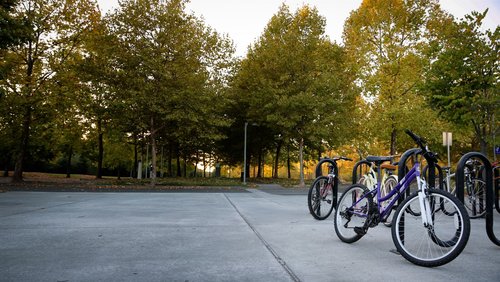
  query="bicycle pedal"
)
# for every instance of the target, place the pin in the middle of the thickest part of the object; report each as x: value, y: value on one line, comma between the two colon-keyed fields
x: 359, y: 230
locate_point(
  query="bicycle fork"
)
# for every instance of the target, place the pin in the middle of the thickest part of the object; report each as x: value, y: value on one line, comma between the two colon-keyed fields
x: 425, y: 206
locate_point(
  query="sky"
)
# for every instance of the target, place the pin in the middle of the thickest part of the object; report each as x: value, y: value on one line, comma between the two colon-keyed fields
x: 244, y: 20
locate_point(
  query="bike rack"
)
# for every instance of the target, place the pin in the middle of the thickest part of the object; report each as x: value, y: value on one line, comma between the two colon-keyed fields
x: 403, y: 168
x: 355, y: 170
x: 440, y: 175
x: 322, y: 161
x: 490, y: 194
x: 335, y: 188
x: 496, y: 173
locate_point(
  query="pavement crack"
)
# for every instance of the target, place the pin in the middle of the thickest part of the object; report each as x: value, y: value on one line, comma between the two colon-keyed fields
x: 280, y: 260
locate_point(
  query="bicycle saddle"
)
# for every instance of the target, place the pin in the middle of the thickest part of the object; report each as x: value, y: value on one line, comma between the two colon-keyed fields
x: 378, y: 160
x: 389, y: 166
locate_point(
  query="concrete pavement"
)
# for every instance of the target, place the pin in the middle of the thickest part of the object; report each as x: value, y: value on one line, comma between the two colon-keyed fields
x: 250, y: 236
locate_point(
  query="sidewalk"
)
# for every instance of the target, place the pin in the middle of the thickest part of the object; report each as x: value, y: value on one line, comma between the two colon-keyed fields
x: 253, y: 236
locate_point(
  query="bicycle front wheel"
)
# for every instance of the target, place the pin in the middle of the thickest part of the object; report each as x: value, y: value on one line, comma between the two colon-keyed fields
x: 438, y: 242
x: 320, y: 198
x: 352, y: 212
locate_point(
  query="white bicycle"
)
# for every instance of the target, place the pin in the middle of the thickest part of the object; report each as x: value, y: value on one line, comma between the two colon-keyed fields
x: 389, y: 181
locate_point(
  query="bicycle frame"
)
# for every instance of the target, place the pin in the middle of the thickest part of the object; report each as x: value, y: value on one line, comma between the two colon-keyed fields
x: 329, y: 185
x: 399, y: 189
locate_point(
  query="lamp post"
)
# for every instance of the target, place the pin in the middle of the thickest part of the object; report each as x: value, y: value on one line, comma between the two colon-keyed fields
x: 245, y: 156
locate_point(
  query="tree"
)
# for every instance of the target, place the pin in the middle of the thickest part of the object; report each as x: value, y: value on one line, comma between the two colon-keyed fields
x: 13, y: 29
x: 294, y: 81
x: 57, y: 28
x: 463, y: 79
x: 171, y: 68
x: 384, y: 40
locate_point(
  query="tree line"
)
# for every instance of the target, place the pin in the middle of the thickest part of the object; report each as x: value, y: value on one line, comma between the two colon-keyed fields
x: 82, y: 90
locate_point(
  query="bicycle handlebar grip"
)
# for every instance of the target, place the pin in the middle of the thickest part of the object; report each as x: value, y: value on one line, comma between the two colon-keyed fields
x: 420, y: 142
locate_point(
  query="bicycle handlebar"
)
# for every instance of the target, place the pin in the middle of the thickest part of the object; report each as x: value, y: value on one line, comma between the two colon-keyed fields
x: 430, y: 156
x: 345, y: 159
x: 419, y: 140
x: 338, y: 158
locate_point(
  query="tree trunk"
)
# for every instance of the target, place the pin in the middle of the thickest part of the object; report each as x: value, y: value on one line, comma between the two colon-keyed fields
x: 178, y: 162
x: 153, y: 153
x: 68, y: 162
x: 288, y: 164
x: 393, y: 141
x: 6, y: 168
x: 204, y: 165
x: 184, y: 165
x: 259, y: 164
x: 480, y: 135
x: 18, y: 170
x: 276, y: 161
x: 26, y: 125
x: 301, y: 160
x: 136, y: 161
x: 169, y: 161
x: 100, y: 156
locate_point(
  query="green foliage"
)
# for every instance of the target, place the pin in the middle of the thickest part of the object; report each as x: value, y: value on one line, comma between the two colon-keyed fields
x: 293, y: 82
x: 57, y: 28
x: 384, y: 40
x: 171, y: 71
x: 462, y: 81
x: 80, y: 92
x: 13, y: 29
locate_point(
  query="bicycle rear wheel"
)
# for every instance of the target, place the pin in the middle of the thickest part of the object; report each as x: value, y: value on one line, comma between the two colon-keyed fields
x: 352, y: 212
x: 475, y: 198
x: 439, y: 242
x: 320, y: 198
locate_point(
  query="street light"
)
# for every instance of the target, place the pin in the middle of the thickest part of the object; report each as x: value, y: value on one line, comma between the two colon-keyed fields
x: 245, y: 156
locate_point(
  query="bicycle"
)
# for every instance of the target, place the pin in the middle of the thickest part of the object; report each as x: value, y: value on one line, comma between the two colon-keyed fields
x: 389, y: 180
x: 429, y: 228
x: 475, y: 187
x: 322, y: 198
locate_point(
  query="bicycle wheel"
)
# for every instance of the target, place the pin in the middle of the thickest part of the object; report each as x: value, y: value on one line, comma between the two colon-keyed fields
x: 437, y: 243
x: 475, y: 198
x: 389, y: 184
x: 352, y: 212
x: 320, y: 198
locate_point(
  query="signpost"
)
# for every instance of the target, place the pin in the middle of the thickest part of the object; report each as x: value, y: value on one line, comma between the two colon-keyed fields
x: 447, y: 142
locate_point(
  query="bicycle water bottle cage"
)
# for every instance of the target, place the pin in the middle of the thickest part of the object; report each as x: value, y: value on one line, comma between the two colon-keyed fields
x: 378, y: 160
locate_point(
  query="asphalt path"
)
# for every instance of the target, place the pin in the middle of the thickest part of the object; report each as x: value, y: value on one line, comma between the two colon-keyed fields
x: 262, y: 234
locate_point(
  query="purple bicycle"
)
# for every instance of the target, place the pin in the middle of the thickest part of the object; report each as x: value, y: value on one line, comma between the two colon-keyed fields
x: 429, y: 228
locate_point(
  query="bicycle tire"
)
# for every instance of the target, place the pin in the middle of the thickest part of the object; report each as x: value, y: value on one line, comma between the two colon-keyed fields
x: 434, y: 245
x: 320, y: 206
x: 475, y: 198
x: 349, y: 225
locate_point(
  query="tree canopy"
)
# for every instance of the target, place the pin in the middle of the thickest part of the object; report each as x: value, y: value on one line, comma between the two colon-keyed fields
x: 153, y: 82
